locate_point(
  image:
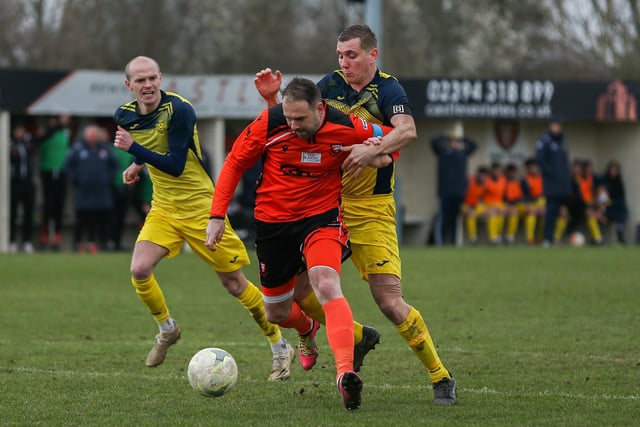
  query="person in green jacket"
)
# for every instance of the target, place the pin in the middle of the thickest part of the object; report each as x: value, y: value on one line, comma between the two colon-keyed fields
x: 137, y: 196
x: 53, y: 144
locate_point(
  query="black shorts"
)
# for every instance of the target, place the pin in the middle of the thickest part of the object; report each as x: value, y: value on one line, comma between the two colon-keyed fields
x: 279, y: 246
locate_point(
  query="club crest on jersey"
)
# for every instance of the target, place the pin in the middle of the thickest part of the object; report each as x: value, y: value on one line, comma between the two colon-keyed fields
x: 315, y: 158
x: 336, y: 149
x: 161, y: 127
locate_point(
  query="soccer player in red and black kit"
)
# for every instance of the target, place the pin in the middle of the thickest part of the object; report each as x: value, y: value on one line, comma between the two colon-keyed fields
x: 303, y: 144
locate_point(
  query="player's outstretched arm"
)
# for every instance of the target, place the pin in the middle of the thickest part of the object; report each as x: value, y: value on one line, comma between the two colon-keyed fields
x: 268, y: 84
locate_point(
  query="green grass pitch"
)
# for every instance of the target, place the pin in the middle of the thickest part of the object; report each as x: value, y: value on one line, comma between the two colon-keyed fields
x: 533, y: 336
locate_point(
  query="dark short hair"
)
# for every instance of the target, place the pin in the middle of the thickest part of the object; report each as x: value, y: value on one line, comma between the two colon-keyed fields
x: 367, y: 37
x: 555, y: 119
x: 301, y: 89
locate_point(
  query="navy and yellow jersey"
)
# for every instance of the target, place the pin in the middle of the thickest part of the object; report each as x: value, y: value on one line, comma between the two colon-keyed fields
x: 167, y: 141
x: 377, y: 102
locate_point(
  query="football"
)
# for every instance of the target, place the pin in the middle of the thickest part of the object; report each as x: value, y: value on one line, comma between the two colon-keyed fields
x: 212, y: 372
x: 577, y: 239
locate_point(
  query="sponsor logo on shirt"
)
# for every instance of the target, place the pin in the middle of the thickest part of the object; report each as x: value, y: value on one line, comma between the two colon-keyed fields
x: 315, y: 158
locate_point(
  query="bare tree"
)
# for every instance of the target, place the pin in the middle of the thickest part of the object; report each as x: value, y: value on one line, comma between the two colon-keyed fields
x: 475, y: 39
x: 602, y: 35
x: 12, y: 49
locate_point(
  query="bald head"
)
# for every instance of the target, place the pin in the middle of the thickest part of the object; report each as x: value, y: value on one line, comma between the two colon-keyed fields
x: 144, y: 80
x: 140, y: 61
x: 92, y: 134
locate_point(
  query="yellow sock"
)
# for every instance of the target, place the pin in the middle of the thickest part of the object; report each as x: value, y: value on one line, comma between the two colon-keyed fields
x: 594, y: 228
x: 530, y: 227
x: 151, y: 295
x: 415, y: 333
x: 472, y: 227
x: 492, y: 228
x: 499, y: 225
x: 561, y: 225
x: 512, y: 226
x: 312, y: 307
x: 251, y: 300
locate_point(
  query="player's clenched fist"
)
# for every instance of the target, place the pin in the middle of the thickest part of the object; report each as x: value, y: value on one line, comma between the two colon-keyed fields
x: 123, y: 139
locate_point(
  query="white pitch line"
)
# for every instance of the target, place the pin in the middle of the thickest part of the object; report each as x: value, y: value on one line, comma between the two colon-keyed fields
x: 470, y: 390
x: 382, y: 349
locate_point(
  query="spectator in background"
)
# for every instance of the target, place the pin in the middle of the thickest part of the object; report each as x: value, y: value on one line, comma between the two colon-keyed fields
x: 91, y: 167
x: 495, y: 187
x: 534, y: 200
x: 473, y: 207
x: 575, y: 207
x: 452, y: 152
x: 122, y: 197
x: 593, y: 213
x: 514, y: 201
x: 553, y: 158
x: 137, y: 196
x: 616, y: 208
x: 53, y: 143
x: 22, y: 188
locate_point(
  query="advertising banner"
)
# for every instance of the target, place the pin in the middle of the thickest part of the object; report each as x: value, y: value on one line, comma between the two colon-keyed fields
x: 524, y: 99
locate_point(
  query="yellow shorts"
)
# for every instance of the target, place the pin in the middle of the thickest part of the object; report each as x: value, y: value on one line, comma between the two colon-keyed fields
x: 164, y: 230
x: 520, y: 208
x: 538, y: 203
x: 371, y: 223
x: 477, y: 210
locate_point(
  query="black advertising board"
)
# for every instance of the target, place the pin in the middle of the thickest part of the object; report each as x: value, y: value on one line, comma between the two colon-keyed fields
x: 98, y: 93
x: 19, y: 88
x: 524, y: 99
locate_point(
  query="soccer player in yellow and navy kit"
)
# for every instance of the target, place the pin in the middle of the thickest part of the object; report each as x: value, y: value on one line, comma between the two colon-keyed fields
x: 359, y: 87
x: 159, y: 129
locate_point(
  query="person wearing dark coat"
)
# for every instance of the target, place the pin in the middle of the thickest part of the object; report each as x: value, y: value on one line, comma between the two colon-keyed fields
x: 553, y: 158
x: 452, y: 152
x: 91, y: 167
x: 616, y: 209
x: 23, y: 190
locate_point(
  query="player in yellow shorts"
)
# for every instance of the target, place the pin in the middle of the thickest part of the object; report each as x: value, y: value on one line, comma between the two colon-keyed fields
x: 515, y: 205
x: 472, y: 206
x: 534, y: 200
x: 495, y: 186
x: 374, y: 253
x: 159, y: 129
x: 359, y: 87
